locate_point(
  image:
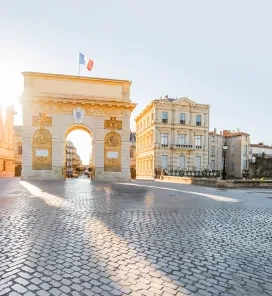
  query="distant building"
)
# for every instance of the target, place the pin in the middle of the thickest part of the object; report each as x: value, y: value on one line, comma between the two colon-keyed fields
x: 260, y: 159
x: 172, y: 134
x: 73, y: 160
x: 237, y: 156
x: 7, y: 160
x: 260, y: 150
x: 132, y: 139
x: 18, y: 149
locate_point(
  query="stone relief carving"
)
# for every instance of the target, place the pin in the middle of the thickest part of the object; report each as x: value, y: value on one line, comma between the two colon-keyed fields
x: 113, y: 140
x: 42, y: 137
x: 164, y: 130
x: 198, y: 133
x: 91, y: 110
x: 182, y: 131
x: 42, y: 142
x: 113, y: 124
x: 42, y: 120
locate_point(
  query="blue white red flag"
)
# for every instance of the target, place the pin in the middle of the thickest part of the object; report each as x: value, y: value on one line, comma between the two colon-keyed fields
x: 85, y: 61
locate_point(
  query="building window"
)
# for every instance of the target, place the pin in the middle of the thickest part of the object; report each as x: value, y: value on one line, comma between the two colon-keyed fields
x: 182, y: 139
x: 198, y: 120
x: 245, y: 150
x: 4, y: 165
x: 198, y: 162
x: 148, y: 121
x: 182, y: 118
x: 231, y: 150
x: 20, y: 150
x: 164, y: 161
x: 164, y: 140
x: 212, y: 151
x: 244, y: 164
x: 152, y: 117
x: 164, y: 117
x: 182, y: 162
x: 198, y: 140
x: 213, y: 165
x: 131, y: 153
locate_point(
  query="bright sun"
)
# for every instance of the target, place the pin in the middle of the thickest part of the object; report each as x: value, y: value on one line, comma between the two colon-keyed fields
x: 11, y: 85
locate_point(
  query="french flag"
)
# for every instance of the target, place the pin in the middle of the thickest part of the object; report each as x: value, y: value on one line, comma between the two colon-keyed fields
x: 85, y: 61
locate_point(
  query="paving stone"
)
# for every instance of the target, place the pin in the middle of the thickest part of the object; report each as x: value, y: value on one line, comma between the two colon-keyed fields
x: 102, y: 238
x: 18, y: 288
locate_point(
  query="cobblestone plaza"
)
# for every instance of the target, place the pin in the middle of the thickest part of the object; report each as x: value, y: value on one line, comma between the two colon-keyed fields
x: 77, y: 237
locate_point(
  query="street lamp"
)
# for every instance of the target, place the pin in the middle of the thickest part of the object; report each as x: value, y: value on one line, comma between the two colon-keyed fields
x: 225, y: 148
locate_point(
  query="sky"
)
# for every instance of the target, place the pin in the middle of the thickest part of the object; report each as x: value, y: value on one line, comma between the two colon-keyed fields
x: 213, y: 52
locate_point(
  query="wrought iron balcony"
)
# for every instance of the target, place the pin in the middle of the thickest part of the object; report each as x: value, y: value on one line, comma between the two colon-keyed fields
x: 184, y: 146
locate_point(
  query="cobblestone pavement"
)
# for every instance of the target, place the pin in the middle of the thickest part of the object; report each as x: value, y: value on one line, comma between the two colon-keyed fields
x: 75, y: 237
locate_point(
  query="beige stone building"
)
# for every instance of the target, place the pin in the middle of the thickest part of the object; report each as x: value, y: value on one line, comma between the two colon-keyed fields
x: 7, y: 160
x: 237, y: 156
x: 73, y: 160
x: 18, y: 149
x: 172, y: 134
x: 54, y: 105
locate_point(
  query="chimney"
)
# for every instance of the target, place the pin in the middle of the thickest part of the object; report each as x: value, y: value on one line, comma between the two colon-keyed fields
x: 225, y: 132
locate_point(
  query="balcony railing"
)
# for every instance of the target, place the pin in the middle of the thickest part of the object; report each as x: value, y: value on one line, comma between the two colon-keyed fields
x: 198, y: 123
x: 202, y: 173
x: 182, y: 121
x: 184, y: 146
x: 164, y: 120
x: 181, y: 146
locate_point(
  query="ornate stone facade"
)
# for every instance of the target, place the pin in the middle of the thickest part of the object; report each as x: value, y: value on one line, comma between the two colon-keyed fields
x: 172, y: 134
x: 56, y: 105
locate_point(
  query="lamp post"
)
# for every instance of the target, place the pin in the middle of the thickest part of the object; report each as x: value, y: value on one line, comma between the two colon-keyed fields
x: 225, y: 148
x: 253, y: 165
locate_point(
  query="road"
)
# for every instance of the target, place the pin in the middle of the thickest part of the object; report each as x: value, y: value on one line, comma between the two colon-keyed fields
x: 77, y: 237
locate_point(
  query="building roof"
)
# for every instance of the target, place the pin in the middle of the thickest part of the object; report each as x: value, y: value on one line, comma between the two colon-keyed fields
x: 73, y: 77
x: 228, y: 133
x: 178, y: 101
x: 260, y: 145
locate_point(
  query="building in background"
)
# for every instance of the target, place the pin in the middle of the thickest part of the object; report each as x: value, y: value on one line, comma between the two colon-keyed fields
x: 172, y: 134
x: 7, y: 161
x: 132, y: 139
x: 260, y: 150
x: 260, y: 160
x: 237, y: 156
x: 18, y: 149
x: 73, y: 160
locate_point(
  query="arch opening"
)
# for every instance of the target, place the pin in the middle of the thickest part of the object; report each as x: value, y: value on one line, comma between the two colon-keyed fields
x: 78, y: 160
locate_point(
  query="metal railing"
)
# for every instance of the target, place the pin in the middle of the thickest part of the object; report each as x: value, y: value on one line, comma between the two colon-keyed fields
x: 189, y: 173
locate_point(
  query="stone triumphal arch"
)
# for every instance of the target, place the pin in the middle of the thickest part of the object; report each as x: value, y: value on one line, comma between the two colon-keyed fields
x: 54, y: 105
